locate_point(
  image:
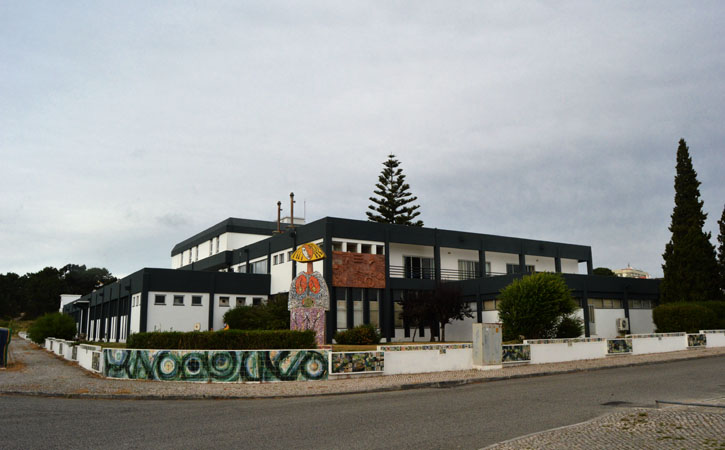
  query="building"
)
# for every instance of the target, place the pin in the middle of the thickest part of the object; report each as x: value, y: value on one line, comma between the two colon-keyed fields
x: 629, y: 272
x: 369, y: 267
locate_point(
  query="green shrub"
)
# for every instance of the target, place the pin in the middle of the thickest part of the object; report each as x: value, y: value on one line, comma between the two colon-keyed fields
x: 223, y: 340
x: 273, y: 315
x: 689, y: 317
x: 360, y: 335
x: 534, y: 305
x: 718, y: 308
x: 57, y: 325
x: 570, y: 327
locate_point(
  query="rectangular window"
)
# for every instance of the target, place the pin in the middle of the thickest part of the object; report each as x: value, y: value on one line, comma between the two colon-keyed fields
x: 419, y: 267
x: 357, y: 309
x: 489, y: 305
x: 352, y: 247
x: 336, y: 246
x: 224, y: 302
x: 196, y: 300
x: 488, y: 267
x: 374, y: 313
x: 289, y: 255
x: 241, y: 301
x: 514, y: 268
x: 398, y: 320
x: 281, y: 258
x: 274, y: 260
x: 365, y: 248
x: 159, y: 299
x: 256, y: 301
x: 379, y: 249
x: 468, y: 270
x: 341, y: 314
x: 259, y: 266
x: 178, y: 300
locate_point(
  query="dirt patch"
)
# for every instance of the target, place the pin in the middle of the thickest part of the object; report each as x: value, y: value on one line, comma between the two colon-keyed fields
x: 81, y: 391
x: 17, y: 366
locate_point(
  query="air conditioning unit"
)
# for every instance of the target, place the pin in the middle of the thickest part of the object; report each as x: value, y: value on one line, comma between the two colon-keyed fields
x: 622, y: 324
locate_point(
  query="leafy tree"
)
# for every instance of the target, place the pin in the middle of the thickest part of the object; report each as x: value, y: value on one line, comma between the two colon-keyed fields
x: 436, y: 308
x: 57, y: 325
x: 690, y: 269
x: 721, y: 252
x: 394, y: 201
x: 604, y: 271
x: 534, y: 306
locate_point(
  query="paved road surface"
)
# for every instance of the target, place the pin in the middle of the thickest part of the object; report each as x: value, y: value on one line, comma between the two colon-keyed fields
x: 471, y: 416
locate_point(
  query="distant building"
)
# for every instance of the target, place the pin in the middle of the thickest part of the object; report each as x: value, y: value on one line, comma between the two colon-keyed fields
x: 630, y: 272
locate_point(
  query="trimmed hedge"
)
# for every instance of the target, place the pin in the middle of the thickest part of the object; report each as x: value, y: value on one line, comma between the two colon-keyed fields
x: 360, y: 335
x: 689, y: 317
x: 224, y: 340
x: 57, y: 325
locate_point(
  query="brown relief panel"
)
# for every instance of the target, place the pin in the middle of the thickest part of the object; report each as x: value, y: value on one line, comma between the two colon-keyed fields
x: 359, y: 270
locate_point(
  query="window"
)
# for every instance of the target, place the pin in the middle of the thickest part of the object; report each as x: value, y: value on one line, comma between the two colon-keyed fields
x: 256, y: 301
x: 357, y: 308
x: 341, y: 314
x: 211, y: 245
x: 605, y: 303
x: 178, y: 300
x: 398, y: 319
x: 489, y: 305
x: 289, y: 255
x: 418, y: 267
x: 374, y: 313
x: 259, y: 266
x: 352, y: 247
x: 224, y: 302
x: 336, y: 246
x: 274, y: 260
x: 468, y: 270
x: 366, y: 248
x: 379, y: 249
x: 241, y: 301
x: 514, y: 268
x: 159, y: 299
x: 196, y: 300
x: 281, y: 258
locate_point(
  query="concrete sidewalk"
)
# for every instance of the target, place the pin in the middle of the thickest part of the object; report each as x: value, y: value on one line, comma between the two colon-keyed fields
x: 39, y: 372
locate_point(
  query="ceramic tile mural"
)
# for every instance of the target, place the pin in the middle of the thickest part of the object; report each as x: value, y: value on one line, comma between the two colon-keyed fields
x: 696, y: 340
x: 562, y: 341
x: 407, y: 348
x: 654, y: 335
x: 96, y: 361
x: 357, y: 362
x: 216, y: 365
x: 617, y: 346
x: 713, y: 331
x: 515, y: 353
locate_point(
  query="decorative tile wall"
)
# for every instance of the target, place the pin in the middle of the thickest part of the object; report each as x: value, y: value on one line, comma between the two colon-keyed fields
x: 515, y: 353
x: 408, y: 348
x: 655, y: 335
x: 216, y: 365
x: 357, y: 362
x: 697, y: 340
x: 562, y: 341
x: 619, y: 346
x: 96, y: 361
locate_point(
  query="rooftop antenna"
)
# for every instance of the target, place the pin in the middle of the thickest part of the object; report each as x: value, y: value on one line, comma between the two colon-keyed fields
x: 292, y: 209
x: 279, y: 214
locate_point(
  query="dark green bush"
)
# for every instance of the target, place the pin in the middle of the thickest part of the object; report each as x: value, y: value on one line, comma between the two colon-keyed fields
x: 223, y: 340
x: 273, y: 315
x: 360, y: 335
x: 685, y: 316
x: 57, y: 325
x: 718, y: 308
x: 570, y: 327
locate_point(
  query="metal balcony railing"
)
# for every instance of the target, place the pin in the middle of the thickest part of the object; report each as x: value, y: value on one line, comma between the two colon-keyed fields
x: 429, y: 273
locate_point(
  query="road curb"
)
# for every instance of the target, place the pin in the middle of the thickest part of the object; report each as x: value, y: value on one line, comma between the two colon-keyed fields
x: 445, y: 384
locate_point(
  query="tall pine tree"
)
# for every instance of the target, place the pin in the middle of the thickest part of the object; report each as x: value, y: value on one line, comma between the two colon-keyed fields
x: 690, y: 269
x: 393, y: 204
x: 721, y: 253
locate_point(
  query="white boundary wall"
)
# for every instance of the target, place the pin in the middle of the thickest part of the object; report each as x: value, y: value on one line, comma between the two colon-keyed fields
x: 85, y: 356
x: 715, y: 338
x: 559, y: 350
x: 435, y: 358
x: 658, y: 342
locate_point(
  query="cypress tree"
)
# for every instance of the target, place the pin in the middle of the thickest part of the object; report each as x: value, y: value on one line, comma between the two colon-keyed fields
x: 690, y: 269
x: 394, y: 201
x: 721, y: 252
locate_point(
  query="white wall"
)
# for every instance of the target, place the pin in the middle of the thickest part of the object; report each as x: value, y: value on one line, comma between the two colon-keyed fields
x: 422, y: 361
x: 658, y: 344
x: 541, y: 263
x: 450, y: 257
x: 569, y: 265
x: 85, y: 356
x: 233, y: 241
x: 640, y: 321
x: 398, y: 251
x: 168, y: 317
x: 566, y: 350
x: 606, y: 322
x: 716, y: 339
x: 499, y: 260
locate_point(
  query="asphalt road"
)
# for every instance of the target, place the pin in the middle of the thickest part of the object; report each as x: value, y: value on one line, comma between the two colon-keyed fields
x: 471, y: 416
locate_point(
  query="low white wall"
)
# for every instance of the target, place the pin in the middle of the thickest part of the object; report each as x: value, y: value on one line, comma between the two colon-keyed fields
x: 85, y: 357
x: 435, y: 358
x: 68, y: 351
x: 560, y: 350
x: 715, y: 338
x: 658, y: 342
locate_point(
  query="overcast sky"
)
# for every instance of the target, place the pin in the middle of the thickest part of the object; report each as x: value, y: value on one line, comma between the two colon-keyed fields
x: 126, y: 127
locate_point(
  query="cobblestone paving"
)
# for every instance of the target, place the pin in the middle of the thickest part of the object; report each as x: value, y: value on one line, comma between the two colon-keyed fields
x: 42, y: 372
x: 675, y: 428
